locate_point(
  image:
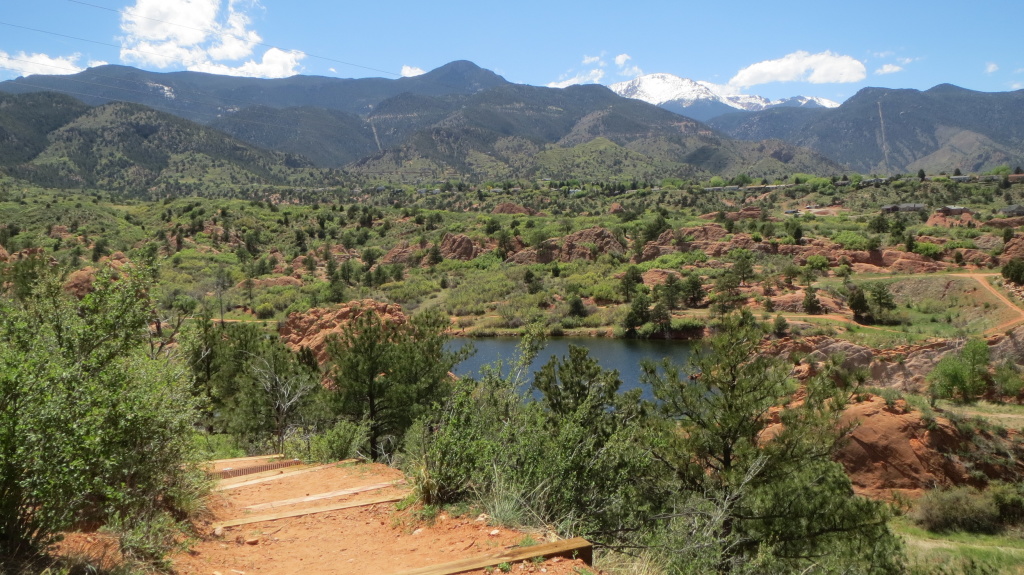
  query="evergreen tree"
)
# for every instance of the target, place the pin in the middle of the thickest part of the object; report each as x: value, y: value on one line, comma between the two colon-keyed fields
x: 781, y: 502
x: 388, y: 373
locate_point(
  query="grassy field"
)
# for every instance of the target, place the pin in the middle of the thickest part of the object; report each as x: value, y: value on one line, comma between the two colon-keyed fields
x: 929, y: 552
x: 1010, y: 416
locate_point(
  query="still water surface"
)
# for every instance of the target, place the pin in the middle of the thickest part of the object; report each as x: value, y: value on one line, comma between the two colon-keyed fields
x: 623, y: 355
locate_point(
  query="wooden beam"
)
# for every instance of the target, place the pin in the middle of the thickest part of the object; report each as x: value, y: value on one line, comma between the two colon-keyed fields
x: 253, y: 470
x: 233, y: 482
x: 320, y: 496
x: 244, y: 459
x: 577, y: 548
x: 308, y: 511
x: 246, y: 480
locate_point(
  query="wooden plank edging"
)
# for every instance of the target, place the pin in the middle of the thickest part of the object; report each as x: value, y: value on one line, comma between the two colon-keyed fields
x: 236, y: 482
x: 308, y: 511
x: 244, y: 459
x: 319, y: 496
x: 577, y: 547
x: 242, y: 480
x: 253, y: 470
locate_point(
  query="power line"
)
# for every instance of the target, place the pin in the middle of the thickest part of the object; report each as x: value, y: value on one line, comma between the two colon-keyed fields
x: 235, y: 36
x: 178, y: 111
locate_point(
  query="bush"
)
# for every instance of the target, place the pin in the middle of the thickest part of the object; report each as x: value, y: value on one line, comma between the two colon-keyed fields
x: 343, y: 441
x: 566, y: 459
x: 928, y: 250
x: 265, y: 311
x: 957, y: 509
x: 851, y: 240
x: 91, y: 427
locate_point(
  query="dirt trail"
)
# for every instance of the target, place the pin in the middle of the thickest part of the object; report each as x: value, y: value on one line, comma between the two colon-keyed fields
x: 1013, y: 306
x: 374, y: 538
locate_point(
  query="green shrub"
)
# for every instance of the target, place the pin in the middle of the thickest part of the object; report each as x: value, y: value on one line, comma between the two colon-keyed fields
x: 851, y: 240
x: 265, y: 311
x: 91, y: 427
x: 343, y: 441
x: 1009, y: 501
x: 928, y: 250
x: 564, y: 460
x: 957, y: 509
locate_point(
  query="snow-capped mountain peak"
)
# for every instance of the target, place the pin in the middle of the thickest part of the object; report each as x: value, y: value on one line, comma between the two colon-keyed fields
x: 673, y: 92
x: 660, y: 88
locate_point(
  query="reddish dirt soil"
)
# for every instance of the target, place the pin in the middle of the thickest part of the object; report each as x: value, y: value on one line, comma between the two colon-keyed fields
x: 374, y: 539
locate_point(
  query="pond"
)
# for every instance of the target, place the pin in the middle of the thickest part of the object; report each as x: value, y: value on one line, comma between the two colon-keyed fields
x: 623, y: 355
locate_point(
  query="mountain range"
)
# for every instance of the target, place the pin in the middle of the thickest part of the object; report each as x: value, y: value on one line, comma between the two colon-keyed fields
x: 462, y: 121
x: 458, y: 121
x: 886, y: 131
x: 704, y: 100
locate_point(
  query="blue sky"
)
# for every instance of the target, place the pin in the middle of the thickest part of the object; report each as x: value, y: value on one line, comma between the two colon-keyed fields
x: 774, y: 49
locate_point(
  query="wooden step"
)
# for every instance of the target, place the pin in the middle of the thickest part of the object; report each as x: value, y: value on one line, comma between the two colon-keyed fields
x: 577, y: 548
x: 233, y: 482
x: 245, y: 459
x: 252, y: 470
x: 308, y: 511
x: 244, y: 481
x: 319, y: 496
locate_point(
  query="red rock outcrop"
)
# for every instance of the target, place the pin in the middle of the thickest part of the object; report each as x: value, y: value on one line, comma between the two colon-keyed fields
x: 79, y: 282
x: 589, y: 244
x: 459, y: 247
x: 312, y: 328
x: 894, y: 449
x: 402, y: 253
x: 1005, y: 222
x: 657, y: 276
x: 1013, y: 249
x: 586, y: 244
x: 794, y: 302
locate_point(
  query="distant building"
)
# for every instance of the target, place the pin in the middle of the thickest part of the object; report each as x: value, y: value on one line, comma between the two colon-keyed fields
x: 952, y: 210
x: 1013, y: 211
x: 1016, y: 178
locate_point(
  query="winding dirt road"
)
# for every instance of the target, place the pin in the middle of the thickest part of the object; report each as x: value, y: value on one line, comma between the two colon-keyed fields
x: 1014, y: 307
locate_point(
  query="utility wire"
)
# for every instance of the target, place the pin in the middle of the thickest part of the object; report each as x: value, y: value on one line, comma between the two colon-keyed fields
x: 177, y: 111
x: 235, y: 36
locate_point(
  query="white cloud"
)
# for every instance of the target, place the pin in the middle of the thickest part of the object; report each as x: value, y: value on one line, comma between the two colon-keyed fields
x: 202, y: 35
x: 821, y: 68
x: 886, y: 54
x: 29, y: 64
x: 991, y: 68
x: 276, y: 63
x: 588, y: 60
x: 1017, y: 86
x: 889, y: 69
x: 410, y: 71
x: 622, y: 61
x: 586, y: 77
x: 95, y: 63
